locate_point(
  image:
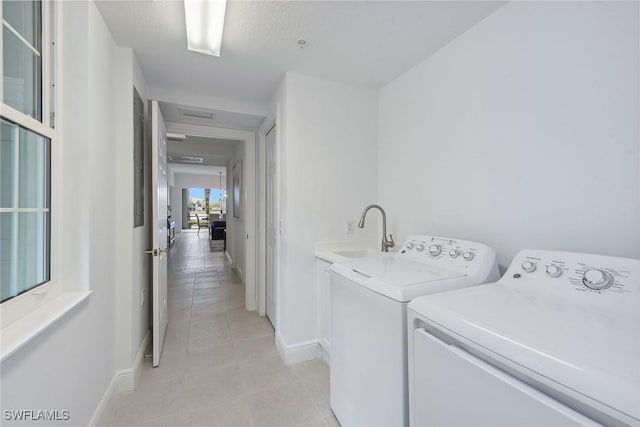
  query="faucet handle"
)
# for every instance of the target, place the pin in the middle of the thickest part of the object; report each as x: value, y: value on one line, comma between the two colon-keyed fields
x: 390, y: 243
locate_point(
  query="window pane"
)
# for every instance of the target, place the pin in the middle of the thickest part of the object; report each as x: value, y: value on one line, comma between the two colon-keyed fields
x: 24, y: 17
x: 22, y: 78
x: 33, y: 248
x: 33, y: 168
x: 7, y: 161
x: 7, y: 255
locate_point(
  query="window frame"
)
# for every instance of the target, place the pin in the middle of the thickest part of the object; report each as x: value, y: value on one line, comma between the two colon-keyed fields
x: 27, y: 302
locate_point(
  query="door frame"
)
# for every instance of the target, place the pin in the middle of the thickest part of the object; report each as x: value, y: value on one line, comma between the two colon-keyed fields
x: 262, y: 289
x: 250, y: 208
x: 269, y: 122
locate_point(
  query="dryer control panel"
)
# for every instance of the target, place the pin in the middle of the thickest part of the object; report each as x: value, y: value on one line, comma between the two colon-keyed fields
x: 574, y: 272
x: 449, y: 253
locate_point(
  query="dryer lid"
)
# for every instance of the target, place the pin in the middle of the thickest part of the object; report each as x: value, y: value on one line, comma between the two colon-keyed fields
x: 588, y: 349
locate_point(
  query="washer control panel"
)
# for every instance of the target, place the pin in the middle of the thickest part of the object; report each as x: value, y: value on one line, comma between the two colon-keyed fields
x: 446, y: 252
x: 574, y: 271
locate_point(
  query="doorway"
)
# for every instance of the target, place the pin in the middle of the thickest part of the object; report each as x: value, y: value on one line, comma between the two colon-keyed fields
x: 241, y: 228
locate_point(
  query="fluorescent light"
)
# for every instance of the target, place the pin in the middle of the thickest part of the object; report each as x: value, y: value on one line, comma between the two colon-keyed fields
x: 191, y: 159
x: 205, y: 20
x: 176, y: 136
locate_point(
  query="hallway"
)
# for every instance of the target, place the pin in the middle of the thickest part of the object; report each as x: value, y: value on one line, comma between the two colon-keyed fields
x: 219, y: 366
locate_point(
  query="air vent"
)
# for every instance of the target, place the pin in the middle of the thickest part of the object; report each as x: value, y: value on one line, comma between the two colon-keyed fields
x: 197, y: 113
x: 189, y: 159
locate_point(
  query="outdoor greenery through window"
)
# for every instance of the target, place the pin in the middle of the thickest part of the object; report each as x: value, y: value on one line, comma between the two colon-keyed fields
x: 202, y: 202
x: 25, y: 153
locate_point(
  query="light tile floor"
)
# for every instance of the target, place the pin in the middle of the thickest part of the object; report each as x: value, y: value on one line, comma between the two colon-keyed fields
x: 219, y: 365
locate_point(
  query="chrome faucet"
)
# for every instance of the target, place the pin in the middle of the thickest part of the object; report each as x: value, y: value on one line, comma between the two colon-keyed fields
x: 386, y: 243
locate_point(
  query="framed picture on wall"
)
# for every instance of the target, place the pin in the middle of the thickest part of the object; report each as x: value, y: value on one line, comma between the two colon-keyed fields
x: 237, y: 189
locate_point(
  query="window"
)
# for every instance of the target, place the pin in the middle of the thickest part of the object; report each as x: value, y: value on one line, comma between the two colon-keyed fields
x: 25, y: 149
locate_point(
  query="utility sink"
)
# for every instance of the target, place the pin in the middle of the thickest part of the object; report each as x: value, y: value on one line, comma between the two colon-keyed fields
x: 358, y: 253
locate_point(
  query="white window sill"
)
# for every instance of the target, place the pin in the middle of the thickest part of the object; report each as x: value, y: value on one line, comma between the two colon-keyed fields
x: 19, y: 333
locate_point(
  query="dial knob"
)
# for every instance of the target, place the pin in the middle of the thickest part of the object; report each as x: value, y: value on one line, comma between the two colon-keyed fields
x: 529, y: 266
x: 454, y: 253
x: 435, y: 250
x: 468, y: 256
x: 410, y: 245
x: 419, y: 247
x: 553, y: 270
x: 597, y: 279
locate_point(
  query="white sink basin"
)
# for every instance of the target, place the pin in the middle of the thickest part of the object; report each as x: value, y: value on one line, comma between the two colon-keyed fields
x: 358, y: 253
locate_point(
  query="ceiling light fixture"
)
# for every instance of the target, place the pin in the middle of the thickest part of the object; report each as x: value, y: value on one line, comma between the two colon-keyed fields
x: 205, y: 21
x: 191, y: 159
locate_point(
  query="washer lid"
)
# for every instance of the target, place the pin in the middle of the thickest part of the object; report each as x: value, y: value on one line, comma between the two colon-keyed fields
x: 592, y: 350
x: 397, y: 278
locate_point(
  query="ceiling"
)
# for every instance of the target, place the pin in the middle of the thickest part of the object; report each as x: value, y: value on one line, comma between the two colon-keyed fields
x: 214, y: 152
x: 367, y: 43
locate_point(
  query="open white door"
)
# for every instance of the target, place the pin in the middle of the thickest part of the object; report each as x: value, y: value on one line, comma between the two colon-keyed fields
x: 160, y: 251
x: 271, y: 225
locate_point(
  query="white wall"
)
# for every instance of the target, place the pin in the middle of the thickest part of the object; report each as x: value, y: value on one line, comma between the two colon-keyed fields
x: 70, y: 365
x: 521, y: 133
x: 131, y: 316
x: 327, y: 166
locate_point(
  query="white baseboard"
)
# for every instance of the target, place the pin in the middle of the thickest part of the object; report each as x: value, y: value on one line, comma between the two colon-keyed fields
x: 239, y: 272
x: 326, y: 351
x: 102, y: 405
x: 128, y: 378
x: 123, y: 381
x: 137, y: 362
x: 298, y: 352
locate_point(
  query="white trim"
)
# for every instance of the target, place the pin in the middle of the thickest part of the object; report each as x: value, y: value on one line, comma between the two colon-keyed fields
x: 298, y: 352
x: 326, y: 351
x: 123, y: 381
x: 239, y: 272
x: 26, y: 121
x: 20, y: 37
x: 128, y: 378
x: 22, y: 331
x: 251, y: 208
x: 207, y: 102
x: 137, y: 362
x: 266, y: 126
x: 19, y: 210
x: 39, y: 300
x: 104, y: 401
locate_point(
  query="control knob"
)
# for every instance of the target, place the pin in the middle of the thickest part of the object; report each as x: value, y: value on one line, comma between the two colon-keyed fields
x: 454, y: 253
x: 420, y: 247
x: 529, y: 266
x: 553, y: 270
x: 597, y: 279
x: 410, y: 245
x: 435, y: 250
x: 468, y: 256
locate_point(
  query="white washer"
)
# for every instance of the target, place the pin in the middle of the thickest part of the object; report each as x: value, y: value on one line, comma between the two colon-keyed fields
x: 555, y: 342
x: 369, y: 321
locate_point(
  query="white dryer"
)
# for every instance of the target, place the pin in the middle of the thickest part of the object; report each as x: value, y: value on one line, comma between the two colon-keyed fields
x: 369, y: 296
x: 555, y: 342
